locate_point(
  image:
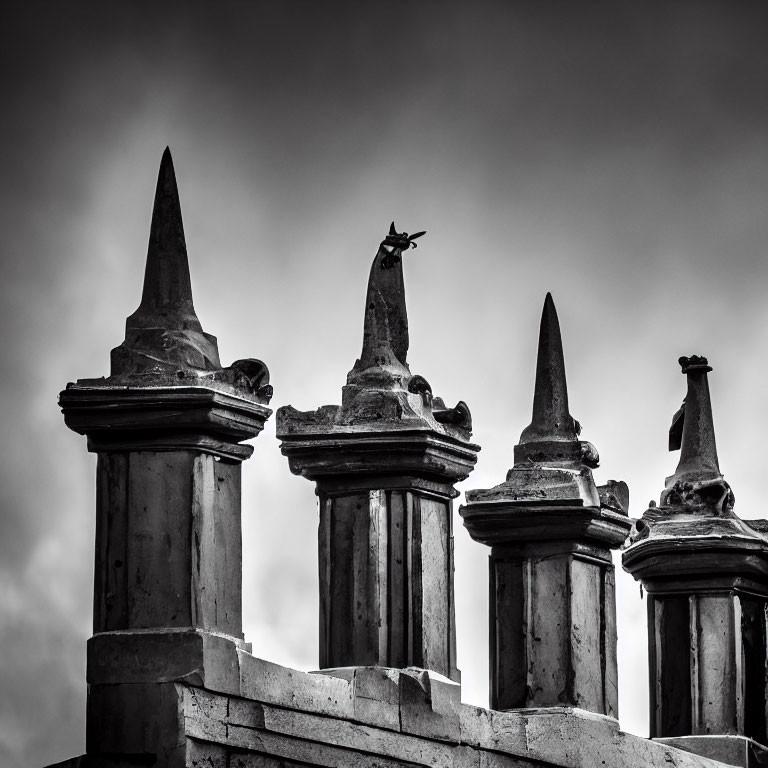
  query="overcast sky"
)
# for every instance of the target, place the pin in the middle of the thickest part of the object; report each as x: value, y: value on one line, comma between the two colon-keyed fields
x: 614, y: 154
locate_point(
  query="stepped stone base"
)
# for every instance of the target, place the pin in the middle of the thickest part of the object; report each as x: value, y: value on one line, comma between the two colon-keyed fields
x: 373, y: 717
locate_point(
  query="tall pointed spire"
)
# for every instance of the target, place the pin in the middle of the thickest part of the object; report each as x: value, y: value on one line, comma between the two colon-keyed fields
x: 166, y: 301
x: 696, y: 435
x: 164, y: 332
x: 551, y: 417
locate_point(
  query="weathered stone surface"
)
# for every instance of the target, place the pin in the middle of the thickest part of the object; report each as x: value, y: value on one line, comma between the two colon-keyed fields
x: 206, y: 755
x: 706, y: 575
x: 302, y: 724
x: 137, y: 719
x: 568, y: 738
x: 384, y: 557
x: 167, y: 425
x: 385, y: 463
x: 245, y: 760
x: 195, y: 657
x: 552, y: 623
x: 733, y: 750
x: 169, y: 547
x: 428, y: 705
x: 271, y: 683
x: 163, y: 416
x: 166, y: 309
x: 375, y: 692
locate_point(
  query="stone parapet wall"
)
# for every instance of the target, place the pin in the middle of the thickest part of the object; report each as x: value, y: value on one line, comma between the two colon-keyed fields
x: 375, y: 717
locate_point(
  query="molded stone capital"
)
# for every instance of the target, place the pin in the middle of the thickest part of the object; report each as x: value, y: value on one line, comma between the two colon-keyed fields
x: 502, y: 521
x: 361, y: 455
x: 710, y: 551
x: 157, y: 418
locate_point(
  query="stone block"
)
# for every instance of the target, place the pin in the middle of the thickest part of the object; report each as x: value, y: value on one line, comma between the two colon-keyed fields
x: 375, y: 691
x: 243, y: 760
x: 429, y: 705
x: 569, y: 738
x: 293, y: 751
x: 245, y: 712
x: 732, y: 750
x: 205, y: 755
x: 138, y: 719
x: 353, y: 736
x: 168, y: 655
x: 273, y: 684
x: 205, y: 714
x: 377, y: 696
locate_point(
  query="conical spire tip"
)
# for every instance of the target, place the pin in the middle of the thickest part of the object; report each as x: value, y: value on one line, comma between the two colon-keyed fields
x: 551, y: 418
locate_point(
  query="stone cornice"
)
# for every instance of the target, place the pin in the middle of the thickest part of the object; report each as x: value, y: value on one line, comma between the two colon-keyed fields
x: 126, y: 418
x: 502, y: 521
x: 360, y: 452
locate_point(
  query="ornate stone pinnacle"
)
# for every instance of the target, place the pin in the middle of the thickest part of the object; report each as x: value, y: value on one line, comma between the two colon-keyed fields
x: 383, y: 360
x: 164, y: 332
x: 693, y: 430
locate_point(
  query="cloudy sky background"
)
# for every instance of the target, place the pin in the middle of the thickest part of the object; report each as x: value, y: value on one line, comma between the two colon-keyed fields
x: 614, y: 154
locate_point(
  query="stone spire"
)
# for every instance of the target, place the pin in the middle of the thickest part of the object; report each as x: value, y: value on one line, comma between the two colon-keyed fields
x: 551, y: 529
x: 692, y: 428
x: 164, y: 333
x: 552, y: 437
x: 551, y: 418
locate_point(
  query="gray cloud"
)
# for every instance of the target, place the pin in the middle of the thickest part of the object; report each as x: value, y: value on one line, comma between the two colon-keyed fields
x: 610, y: 152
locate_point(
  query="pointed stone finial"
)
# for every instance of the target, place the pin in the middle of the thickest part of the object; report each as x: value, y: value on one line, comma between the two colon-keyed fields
x: 693, y: 430
x: 167, y: 293
x: 164, y: 333
x: 383, y: 360
x: 551, y: 417
x: 553, y: 434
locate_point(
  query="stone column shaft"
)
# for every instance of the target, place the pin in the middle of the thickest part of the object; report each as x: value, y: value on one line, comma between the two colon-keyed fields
x: 553, y: 629
x: 168, y: 542
x: 708, y: 664
x: 386, y: 580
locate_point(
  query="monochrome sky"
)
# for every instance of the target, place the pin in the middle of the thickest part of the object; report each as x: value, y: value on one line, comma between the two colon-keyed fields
x: 612, y: 153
